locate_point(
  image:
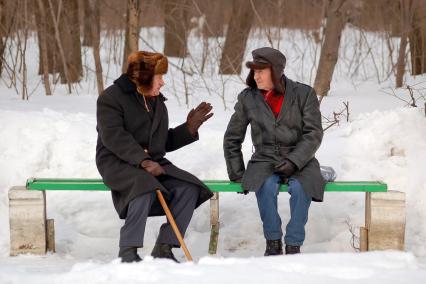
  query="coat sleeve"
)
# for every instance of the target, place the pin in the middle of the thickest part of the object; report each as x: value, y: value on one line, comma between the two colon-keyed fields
x: 179, y: 137
x: 110, y: 124
x: 233, y: 139
x: 312, y: 132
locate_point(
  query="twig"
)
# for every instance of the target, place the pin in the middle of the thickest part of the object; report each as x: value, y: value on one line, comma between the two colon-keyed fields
x: 354, y: 238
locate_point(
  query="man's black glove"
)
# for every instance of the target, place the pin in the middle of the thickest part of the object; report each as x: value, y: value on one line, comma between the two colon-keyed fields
x: 285, y: 169
x: 239, y: 180
x: 198, y: 116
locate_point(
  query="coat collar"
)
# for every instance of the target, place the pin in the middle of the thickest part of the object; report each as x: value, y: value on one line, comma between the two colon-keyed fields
x: 261, y: 101
x: 290, y: 91
x: 289, y: 96
x: 125, y: 84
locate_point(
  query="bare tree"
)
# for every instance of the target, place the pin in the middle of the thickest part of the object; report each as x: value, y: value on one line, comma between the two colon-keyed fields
x: 418, y: 38
x: 175, y: 27
x: 132, y: 30
x: 64, y: 15
x: 2, y: 31
x: 58, y: 40
x: 41, y: 17
x: 406, y: 15
x: 87, y: 23
x: 337, y: 16
x: 7, y: 21
x: 54, y: 64
x: 69, y: 27
x: 236, y: 37
x: 20, y: 70
x: 213, y: 11
x: 94, y: 10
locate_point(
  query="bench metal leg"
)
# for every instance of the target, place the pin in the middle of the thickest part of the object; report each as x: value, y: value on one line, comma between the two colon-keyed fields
x: 214, y: 221
x: 385, y: 220
x: 27, y: 220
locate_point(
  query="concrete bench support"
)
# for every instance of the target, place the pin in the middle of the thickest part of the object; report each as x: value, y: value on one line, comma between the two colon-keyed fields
x: 385, y: 220
x: 27, y: 217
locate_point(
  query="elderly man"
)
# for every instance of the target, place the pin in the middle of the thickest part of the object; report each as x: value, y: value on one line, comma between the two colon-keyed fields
x: 133, y: 138
x: 286, y: 132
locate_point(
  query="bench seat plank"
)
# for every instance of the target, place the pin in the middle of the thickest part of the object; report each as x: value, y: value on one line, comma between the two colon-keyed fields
x: 214, y: 185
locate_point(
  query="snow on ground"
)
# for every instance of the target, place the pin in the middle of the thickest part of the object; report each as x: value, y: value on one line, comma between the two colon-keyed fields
x: 389, y: 267
x: 56, y: 137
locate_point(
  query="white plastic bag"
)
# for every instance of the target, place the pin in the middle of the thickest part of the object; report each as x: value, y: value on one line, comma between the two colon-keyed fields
x: 328, y: 173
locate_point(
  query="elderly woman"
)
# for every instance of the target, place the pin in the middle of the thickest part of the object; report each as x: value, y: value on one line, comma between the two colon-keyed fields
x: 133, y: 138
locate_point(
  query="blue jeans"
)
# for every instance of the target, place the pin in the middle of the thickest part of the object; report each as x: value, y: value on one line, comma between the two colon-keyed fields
x: 268, y: 209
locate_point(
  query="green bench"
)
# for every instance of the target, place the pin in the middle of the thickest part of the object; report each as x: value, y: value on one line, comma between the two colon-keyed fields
x: 214, y: 185
x: 380, y: 204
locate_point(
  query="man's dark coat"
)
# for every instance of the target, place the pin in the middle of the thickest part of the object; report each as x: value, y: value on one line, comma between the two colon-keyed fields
x: 295, y: 134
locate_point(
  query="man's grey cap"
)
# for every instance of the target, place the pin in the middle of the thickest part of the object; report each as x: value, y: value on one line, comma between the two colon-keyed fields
x: 267, y: 57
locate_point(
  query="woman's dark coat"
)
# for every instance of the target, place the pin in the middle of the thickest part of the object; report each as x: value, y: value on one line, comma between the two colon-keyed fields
x: 127, y: 135
x: 296, y: 135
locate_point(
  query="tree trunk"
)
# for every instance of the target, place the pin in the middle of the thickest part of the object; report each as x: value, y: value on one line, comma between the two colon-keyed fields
x: 406, y: 11
x: 53, y: 61
x: 336, y: 20
x: 40, y: 27
x: 87, y: 23
x: 236, y: 37
x: 69, y: 28
x: 94, y: 8
x: 53, y: 13
x: 8, y: 13
x: 418, y: 38
x: 175, y: 27
x: 2, y: 32
x: 131, y: 43
x: 53, y: 56
x: 214, y: 12
x: 41, y: 17
x: 22, y: 36
x: 400, y: 64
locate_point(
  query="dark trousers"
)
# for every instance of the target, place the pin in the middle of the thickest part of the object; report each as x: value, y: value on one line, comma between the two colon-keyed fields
x: 181, y: 203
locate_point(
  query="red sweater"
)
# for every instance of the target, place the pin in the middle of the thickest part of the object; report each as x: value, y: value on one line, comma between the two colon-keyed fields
x: 274, y: 101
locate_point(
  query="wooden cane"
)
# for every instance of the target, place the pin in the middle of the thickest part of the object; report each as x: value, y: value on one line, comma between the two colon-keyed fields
x: 174, y: 226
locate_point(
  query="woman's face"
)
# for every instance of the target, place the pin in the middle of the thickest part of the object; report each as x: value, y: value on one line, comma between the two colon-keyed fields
x: 157, y: 84
x: 263, y: 78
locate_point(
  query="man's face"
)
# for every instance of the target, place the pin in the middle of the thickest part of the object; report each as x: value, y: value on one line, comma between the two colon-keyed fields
x: 157, y: 84
x: 263, y: 78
